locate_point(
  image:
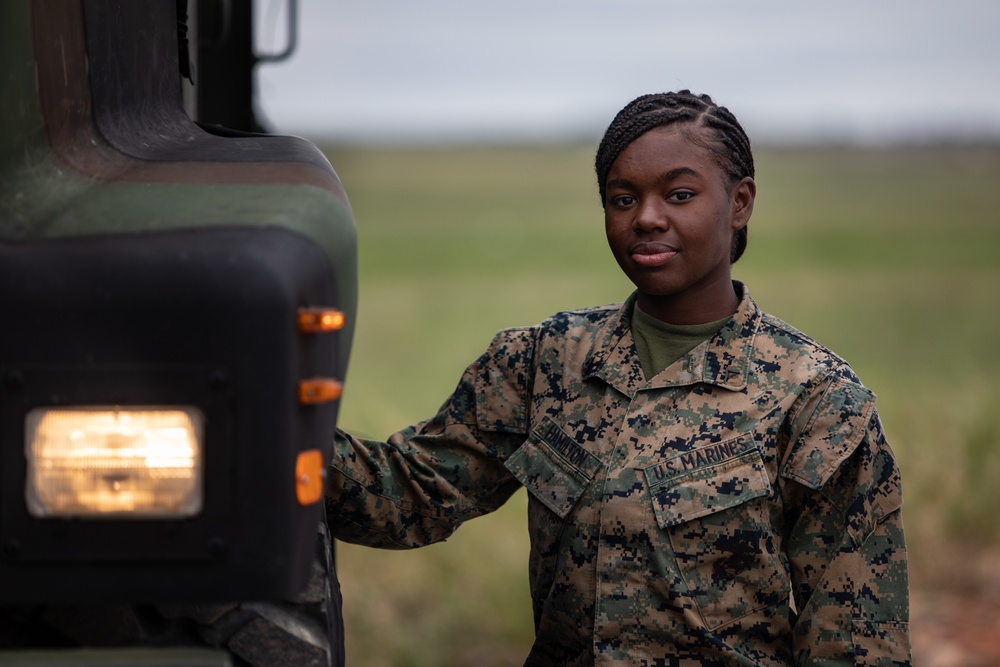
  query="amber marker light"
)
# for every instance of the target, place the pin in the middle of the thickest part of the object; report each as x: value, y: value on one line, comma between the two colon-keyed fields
x: 309, y: 475
x: 114, y: 462
x: 319, y: 390
x: 320, y: 320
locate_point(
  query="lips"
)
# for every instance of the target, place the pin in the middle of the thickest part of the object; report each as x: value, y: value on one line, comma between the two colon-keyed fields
x: 652, y: 254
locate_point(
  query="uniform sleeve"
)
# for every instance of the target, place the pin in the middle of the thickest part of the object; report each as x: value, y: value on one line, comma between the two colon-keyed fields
x: 425, y: 480
x: 845, y: 545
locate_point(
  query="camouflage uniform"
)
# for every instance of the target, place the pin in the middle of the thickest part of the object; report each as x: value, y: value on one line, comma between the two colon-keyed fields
x: 741, y: 508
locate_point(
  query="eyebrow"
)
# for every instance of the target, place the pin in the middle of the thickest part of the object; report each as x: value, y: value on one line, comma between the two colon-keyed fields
x: 679, y: 171
x: 618, y: 183
x: 666, y: 177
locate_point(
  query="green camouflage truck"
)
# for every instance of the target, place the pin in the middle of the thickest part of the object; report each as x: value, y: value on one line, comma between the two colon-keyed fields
x: 177, y: 299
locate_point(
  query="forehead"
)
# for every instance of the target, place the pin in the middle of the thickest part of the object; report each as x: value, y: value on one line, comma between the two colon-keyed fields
x: 666, y: 148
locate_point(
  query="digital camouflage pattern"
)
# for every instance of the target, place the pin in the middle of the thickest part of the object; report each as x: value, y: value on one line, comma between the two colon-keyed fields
x: 740, y: 508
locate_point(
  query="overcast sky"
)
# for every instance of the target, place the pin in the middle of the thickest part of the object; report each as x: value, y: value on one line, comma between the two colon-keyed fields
x: 864, y: 70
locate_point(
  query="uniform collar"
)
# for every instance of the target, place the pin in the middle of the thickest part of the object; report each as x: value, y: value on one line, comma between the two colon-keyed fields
x: 722, y: 360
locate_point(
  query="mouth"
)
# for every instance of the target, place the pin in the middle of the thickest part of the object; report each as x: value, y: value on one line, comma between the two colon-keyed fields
x: 652, y: 254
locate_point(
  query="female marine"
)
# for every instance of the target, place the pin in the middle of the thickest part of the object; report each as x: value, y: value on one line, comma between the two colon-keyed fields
x: 708, y: 485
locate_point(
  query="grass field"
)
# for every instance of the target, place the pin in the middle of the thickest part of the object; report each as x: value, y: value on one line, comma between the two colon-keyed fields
x: 889, y: 257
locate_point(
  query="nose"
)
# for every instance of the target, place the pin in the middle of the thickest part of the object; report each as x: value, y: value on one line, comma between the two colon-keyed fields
x: 650, y: 216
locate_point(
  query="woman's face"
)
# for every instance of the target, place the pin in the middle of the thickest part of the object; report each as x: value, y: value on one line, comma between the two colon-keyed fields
x: 670, y: 215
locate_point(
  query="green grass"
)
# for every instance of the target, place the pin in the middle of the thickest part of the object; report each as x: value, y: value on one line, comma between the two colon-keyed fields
x: 888, y: 257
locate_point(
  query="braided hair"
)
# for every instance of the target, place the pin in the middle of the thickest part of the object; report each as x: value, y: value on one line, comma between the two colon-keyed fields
x: 725, y: 138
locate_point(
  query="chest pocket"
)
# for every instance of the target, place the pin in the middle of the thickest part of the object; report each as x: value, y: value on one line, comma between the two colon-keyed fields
x: 710, y: 501
x: 554, y: 467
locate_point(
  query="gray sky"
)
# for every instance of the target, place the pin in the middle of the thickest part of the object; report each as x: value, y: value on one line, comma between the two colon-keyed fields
x: 862, y: 70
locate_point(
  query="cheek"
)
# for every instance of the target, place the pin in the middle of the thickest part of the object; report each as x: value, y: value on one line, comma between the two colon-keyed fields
x: 616, y: 243
x: 610, y: 231
x: 615, y: 227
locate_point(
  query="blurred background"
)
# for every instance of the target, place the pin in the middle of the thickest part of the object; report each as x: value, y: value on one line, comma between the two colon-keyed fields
x: 464, y: 134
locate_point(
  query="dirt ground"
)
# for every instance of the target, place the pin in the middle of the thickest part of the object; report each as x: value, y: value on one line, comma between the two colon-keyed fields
x: 955, y: 630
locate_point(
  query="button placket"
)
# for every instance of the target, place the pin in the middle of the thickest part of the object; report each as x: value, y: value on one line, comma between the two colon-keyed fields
x: 624, y: 495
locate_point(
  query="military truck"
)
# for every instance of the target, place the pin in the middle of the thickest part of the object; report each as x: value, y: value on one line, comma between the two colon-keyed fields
x: 177, y: 300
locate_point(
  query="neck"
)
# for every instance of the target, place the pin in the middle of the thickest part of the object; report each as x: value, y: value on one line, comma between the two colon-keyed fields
x: 700, y: 307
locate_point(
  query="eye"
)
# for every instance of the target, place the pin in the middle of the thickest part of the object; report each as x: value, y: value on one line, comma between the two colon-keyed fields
x: 680, y: 196
x: 623, y: 200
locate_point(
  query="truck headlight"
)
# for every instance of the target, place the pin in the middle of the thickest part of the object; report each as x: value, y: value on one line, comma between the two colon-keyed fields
x: 114, y: 462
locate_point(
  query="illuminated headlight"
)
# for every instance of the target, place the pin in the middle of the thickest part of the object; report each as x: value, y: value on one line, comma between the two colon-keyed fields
x: 114, y: 462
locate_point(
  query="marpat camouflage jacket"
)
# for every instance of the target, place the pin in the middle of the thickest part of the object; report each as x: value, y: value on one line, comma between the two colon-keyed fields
x: 740, y: 508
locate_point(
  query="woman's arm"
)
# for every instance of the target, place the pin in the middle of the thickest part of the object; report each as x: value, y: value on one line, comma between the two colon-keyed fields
x: 417, y: 487
x: 845, y: 544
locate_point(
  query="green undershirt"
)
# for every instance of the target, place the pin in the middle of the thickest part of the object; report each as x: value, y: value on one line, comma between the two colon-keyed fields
x: 660, y: 344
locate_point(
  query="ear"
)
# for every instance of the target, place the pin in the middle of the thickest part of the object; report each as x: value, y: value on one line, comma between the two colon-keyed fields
x: 743, y: 195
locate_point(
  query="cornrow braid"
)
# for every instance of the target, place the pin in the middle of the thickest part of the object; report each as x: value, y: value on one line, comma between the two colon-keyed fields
x: 726, y: 138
